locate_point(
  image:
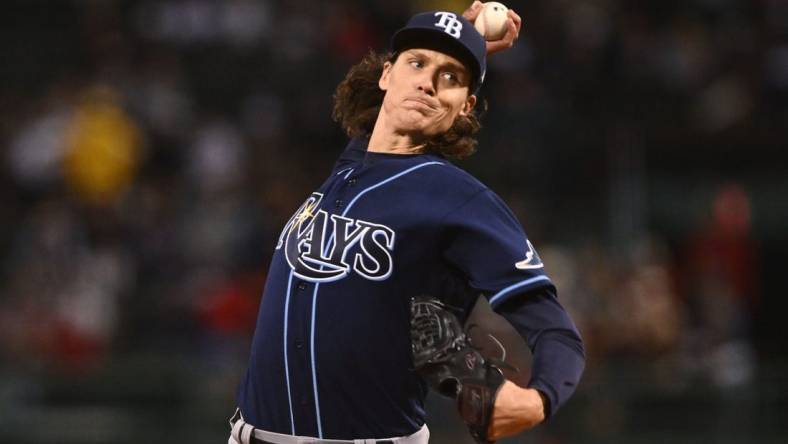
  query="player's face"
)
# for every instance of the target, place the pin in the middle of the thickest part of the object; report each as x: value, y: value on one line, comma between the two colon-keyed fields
x: 425, y: 91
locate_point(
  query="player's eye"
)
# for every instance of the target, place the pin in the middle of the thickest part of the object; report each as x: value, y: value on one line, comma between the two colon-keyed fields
x: 450, y: 77
x: 416, y: 63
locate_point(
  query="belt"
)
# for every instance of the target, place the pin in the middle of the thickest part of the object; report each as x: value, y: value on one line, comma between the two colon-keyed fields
x: 245, y: 433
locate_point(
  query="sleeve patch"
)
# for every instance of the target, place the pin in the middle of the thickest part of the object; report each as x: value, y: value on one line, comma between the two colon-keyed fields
x: 532, y: 259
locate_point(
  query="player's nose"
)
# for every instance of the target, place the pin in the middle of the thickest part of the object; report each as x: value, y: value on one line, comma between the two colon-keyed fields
x: 425, y: 82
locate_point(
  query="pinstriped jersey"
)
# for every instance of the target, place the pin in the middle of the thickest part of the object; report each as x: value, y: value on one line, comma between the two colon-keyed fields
x: 331, y: 354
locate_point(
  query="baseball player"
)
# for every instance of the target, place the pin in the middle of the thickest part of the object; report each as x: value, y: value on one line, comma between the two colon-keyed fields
x: 332, y: 359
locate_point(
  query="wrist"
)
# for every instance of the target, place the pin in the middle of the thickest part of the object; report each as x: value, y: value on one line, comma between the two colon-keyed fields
x: 538, y: 405
x: 516, y: 409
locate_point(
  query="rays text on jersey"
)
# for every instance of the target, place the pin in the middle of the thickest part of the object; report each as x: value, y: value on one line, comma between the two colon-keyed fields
x: 323, y: 247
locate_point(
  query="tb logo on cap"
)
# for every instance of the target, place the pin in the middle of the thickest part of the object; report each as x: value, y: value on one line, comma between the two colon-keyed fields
x: 448, y: 21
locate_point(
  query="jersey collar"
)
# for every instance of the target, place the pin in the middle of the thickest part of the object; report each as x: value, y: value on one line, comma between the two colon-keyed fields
x: 355, y: 149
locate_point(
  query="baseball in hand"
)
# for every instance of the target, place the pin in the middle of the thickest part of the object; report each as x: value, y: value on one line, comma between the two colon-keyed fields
x: 491, y: 21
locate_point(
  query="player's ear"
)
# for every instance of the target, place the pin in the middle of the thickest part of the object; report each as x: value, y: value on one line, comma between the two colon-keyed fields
x: 383, y: 82
x: 468, y: 106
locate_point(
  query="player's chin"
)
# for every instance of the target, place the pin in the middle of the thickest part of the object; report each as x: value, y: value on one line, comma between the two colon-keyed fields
x: 427, y: 126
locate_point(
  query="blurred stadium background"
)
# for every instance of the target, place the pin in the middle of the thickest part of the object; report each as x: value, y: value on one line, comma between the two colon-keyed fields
x: 151, y: 150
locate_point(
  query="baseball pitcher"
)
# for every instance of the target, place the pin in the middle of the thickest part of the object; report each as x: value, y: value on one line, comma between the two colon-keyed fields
x: 373, y: 277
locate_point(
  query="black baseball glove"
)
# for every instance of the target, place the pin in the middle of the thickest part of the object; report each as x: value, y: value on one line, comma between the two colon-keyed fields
x: 444, y: 356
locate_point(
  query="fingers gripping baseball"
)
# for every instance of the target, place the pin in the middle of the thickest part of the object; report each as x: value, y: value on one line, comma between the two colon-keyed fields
x: 512, y: 25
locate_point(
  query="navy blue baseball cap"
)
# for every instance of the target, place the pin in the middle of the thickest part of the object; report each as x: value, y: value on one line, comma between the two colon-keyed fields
x: 449, y: 33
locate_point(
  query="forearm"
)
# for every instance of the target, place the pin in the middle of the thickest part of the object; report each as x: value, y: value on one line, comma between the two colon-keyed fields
x: 558, y: 353
x: 557, y: 366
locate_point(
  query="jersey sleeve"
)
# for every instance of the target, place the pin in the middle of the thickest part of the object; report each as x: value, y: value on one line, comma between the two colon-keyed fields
x: 557, y: 348
x: 488, y: 245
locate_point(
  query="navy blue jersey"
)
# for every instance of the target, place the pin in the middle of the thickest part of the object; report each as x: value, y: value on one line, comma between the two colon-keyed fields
x: 331, y: 355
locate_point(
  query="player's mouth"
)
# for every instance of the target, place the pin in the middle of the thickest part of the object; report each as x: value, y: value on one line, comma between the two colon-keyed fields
x: 419, y: 103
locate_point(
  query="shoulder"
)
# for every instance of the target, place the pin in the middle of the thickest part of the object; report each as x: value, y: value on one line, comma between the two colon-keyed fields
x: 470, y: 197
x: 469, y: 192
x: 432, y: 184
x: 451, y: 179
